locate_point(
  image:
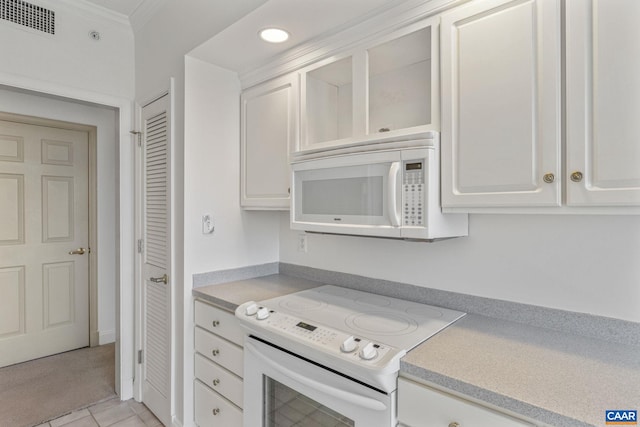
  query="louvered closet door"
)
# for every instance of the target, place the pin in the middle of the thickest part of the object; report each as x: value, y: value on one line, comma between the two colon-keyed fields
x: 156, y: 287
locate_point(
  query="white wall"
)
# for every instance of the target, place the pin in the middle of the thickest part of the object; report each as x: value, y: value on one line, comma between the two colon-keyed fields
x: 71, y: 57
x: 212, y: 178
x: 69, y: 64
x: 105, y: 121
x: 585, y: 263
x: 211, y: 185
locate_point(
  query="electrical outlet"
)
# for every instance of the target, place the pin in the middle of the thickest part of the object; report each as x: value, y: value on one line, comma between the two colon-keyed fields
x: 207, y: 224
x: 302, y: 242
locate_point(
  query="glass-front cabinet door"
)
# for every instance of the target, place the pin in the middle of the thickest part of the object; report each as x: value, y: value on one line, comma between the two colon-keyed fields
x: 328, y: 98
x: 400, y: 83
x: 385, y: 90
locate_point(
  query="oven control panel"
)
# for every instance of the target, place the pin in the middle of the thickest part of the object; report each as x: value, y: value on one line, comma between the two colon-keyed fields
x: 352, y: 348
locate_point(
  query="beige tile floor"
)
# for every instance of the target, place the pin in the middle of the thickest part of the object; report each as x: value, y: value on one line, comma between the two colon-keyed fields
x: 110, y: 413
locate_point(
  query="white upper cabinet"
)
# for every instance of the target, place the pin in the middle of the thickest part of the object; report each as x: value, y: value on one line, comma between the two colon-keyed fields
x: 269, y: 117
x: 501, y: 104
x: 384, y: 91
x: 603, y: 102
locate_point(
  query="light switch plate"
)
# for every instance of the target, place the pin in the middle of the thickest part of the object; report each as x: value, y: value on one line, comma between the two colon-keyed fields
x: 207, y: 224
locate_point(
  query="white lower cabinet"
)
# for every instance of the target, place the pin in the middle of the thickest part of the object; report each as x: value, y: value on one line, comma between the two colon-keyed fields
x: 218, y: 367
x: 422, y: 406
x: 214, y: 410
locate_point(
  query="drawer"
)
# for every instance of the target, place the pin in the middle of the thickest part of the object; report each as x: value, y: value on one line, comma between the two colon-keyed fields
x: 219, y: 350
x: 219, y: 379
x: 218, y: 321
x: 214, y: 410
x: 421, y: 406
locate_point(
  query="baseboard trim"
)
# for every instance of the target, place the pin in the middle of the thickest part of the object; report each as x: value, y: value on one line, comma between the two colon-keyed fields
x: 94, y: 338
x: 106, y: 337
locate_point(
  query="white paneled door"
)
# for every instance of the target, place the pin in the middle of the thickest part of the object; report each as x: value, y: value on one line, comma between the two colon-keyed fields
x: 156, y: 286
x: 44, y: 237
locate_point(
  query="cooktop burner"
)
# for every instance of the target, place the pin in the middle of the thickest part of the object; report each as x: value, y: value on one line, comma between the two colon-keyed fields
x: 398, y: 323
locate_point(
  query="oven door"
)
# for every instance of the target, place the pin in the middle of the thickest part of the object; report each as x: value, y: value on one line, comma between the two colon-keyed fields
x: 281, y: 389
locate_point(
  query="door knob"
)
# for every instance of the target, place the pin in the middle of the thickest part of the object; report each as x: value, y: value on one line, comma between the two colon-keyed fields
x: 164, y: 279
x: 79, y: 251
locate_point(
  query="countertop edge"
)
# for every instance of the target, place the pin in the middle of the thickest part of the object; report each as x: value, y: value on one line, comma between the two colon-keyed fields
x: 481, y: 395
x: 218, y: 302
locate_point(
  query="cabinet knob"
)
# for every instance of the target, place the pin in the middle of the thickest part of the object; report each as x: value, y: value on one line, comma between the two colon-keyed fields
x: 215, y: 411
x: 215, y: 352
x: 216, y: 382
x: 576, y: 176
x: 454, y: 424
x: 215, y: 323
x: 548, y: 178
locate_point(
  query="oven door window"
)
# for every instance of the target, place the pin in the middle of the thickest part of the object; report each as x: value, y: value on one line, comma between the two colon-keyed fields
x: 285, y: 407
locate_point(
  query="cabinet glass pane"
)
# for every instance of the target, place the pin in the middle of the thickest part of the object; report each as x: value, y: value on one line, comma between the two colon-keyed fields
x: 285, y: 407
x: 400, y: 82
x: 330, y: 102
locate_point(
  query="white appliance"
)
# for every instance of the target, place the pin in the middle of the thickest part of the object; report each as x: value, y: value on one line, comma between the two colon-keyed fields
x: 387, y: 192
x: 330, y: 355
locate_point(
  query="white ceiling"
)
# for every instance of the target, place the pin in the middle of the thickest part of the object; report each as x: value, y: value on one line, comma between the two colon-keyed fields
x: 238, y: 47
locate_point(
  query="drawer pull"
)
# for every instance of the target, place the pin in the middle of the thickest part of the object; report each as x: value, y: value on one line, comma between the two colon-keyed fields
x: 216, y: 382
x: 454, y: 424
x: 215, y: 411
x: 215, y: 323
x: 215, y: 352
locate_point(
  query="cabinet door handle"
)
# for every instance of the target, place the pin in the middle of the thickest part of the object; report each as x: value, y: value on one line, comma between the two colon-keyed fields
x: 215, y: 323
x: 548, y: 178
x: 215, y: 411
x: 576, y: 176
x: 216, y: 382
x: 215, y: 352
x: 454, y: 424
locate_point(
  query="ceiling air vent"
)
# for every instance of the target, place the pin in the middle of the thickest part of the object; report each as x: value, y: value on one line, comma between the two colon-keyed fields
x: 28, y: 15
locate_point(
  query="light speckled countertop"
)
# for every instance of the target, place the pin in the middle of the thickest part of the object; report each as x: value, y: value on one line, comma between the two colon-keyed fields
x: 552, y: 377
x: 230, y: 295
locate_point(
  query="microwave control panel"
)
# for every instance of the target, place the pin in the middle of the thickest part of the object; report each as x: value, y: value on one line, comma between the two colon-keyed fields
x: 413, y: 193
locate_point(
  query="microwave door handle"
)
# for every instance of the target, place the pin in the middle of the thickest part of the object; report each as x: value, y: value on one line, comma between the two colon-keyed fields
x: 392, y: 194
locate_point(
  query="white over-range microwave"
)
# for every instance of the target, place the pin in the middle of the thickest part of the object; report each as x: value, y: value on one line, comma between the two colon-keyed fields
x: 387, y: 192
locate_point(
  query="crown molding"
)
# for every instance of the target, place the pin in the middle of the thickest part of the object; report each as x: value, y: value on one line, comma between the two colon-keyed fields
x: 145, y: 12
x: 345, y: 37
x: 94, y: 9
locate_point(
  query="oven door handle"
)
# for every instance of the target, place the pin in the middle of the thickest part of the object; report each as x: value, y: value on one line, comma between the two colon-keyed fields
x: 356, y: 399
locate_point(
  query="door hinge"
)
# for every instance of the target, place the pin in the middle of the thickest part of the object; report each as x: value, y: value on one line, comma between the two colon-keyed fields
x: 139, y: 135
x: 139, y: 357
x: 140, y: 246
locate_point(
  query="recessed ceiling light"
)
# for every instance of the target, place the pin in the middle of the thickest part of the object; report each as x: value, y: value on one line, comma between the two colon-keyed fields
x: 273, y: 35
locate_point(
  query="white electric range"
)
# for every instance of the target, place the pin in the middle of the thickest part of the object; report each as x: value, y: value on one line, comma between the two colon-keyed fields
x: 332, y: 345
